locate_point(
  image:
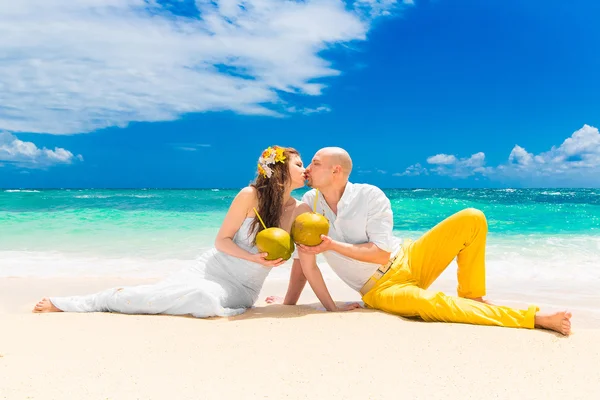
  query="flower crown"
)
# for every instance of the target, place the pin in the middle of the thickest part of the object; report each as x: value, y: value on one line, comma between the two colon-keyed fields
x: 270, y: 156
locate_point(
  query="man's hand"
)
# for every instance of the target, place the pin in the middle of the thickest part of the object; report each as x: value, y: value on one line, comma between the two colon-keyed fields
x: 326, y: 244
x: 349, y: 307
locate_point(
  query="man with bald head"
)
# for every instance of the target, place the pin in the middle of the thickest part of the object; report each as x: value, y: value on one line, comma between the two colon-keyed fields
x: 392, y: 275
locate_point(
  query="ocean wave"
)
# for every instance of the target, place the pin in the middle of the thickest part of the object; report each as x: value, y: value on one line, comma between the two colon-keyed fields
x: 107, y: 196
x: 558, y: 193
x: 21, y: 191
x: 52, y: 264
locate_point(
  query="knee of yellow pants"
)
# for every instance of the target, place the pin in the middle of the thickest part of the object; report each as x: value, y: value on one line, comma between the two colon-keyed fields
x: 436, y: 306
x: 412, y: 301
x: 475, y: 215
x: 405, y: 300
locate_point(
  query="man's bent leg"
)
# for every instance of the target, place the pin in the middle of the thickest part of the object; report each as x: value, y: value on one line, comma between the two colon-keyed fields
x: 462, y: 235
x: 412, y: 301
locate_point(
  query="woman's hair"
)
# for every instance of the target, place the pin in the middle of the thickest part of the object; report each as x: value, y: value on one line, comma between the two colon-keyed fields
x: 270, y: 184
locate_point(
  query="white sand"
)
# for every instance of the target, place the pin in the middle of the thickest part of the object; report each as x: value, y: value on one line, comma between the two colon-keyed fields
x: 278, y: 352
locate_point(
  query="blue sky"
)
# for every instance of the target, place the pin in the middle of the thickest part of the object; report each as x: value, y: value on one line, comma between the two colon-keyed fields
x: 462, y: 93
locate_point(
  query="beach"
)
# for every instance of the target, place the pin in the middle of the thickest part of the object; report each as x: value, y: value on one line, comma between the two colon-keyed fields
x: 542, y: 250
x: 158, y: 159
x: 276, y: 352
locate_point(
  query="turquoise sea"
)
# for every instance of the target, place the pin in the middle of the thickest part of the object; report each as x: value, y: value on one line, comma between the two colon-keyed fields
x: 543, y: 240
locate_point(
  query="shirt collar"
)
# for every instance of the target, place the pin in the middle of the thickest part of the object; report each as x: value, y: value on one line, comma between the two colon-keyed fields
x: 347, y: 195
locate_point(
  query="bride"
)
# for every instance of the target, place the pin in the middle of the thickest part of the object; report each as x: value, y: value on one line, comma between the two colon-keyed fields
x: 228, y: 278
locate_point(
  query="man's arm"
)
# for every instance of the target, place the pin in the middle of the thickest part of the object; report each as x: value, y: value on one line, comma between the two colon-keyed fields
x: 296, y: 284
x: 379, y: 227
x: 313, y: 274
x: 367, y: 252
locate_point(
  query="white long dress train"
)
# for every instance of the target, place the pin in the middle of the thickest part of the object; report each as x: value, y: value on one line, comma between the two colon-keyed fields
x: 218, y: 285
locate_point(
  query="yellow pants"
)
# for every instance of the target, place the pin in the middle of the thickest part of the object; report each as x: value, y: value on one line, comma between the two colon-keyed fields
x: 403, y: 289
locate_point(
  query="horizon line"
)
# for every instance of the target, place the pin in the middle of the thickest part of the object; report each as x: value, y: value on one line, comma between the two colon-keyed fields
x: 306, y: 187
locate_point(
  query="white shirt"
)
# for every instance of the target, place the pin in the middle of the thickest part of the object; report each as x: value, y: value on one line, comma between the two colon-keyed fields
x: 364, y: 214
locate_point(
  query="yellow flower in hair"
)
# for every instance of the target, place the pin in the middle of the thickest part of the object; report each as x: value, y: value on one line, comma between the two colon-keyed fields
x: 270, y: 156
x: 279, y: 157
x: 261, y: 170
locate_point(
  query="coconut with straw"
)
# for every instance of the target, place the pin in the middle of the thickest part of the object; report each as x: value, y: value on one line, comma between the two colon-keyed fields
x: 309, y: 226
x: 276, y: 242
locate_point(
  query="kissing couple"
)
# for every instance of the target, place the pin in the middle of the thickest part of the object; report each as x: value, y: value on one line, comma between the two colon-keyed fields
x: 391, y: 275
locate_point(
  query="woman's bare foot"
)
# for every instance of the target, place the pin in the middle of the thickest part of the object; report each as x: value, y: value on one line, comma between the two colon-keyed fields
x: 558, y: 321
x: 45, y: 305
x: 274, y: 300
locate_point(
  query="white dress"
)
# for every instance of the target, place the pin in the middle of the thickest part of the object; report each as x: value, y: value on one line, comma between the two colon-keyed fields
x: 218, y: 285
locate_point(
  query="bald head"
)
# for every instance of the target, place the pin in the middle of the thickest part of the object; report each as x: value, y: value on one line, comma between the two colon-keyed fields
x: 337, y: 156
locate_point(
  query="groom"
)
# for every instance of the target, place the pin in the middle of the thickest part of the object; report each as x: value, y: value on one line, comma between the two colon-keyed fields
x: 393, y: 276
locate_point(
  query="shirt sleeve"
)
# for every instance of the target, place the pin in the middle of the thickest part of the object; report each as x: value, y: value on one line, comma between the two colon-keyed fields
x: 380, y: 220
x: 309, y: 198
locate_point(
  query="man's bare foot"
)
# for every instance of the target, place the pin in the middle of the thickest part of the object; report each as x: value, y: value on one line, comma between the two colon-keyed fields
x: 558, y: 321
x: 45, y: 305
x: 274, y: 300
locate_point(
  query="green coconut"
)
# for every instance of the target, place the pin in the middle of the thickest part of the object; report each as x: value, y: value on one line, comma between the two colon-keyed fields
x: 276, y: 242
x: 308, y: 228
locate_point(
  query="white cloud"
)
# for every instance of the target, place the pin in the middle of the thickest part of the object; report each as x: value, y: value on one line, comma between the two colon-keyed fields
x: 308, y: 111
x: 77, y: 66
x: 189, y: 146
x: 441, y: 159
x: 584, y: 141
x: 520, y: 156
x: 414, y: 170
x: 575, y: 162
x: 459, y: 167
x: 28, y: 155
x: 376, y: 7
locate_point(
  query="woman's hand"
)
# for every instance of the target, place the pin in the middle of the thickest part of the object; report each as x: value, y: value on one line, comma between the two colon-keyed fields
x: 274, y: 300
x: 348, y: 307
x: 260, y: 259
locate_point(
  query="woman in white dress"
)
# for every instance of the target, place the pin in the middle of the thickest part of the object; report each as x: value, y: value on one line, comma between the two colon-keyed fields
x: 228, y: 278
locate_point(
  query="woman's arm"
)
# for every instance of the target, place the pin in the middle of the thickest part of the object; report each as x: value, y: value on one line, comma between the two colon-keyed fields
x: 240, y: 207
